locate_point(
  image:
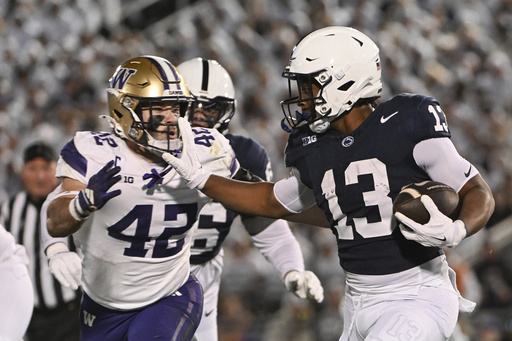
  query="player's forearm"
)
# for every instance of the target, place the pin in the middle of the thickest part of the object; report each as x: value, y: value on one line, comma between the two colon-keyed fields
x: 279, y: 246
x: 478, y: 204
x: 60, y: 222
x: 245, y: 197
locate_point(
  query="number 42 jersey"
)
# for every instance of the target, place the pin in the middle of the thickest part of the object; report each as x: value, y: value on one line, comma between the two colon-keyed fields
x: 356, y: 177
x: 137, y: 247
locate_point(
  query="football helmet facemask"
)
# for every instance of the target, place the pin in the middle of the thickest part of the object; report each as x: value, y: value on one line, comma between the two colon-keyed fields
x: 341, y: 64
x: 213, y: 90
x: 151, y: 85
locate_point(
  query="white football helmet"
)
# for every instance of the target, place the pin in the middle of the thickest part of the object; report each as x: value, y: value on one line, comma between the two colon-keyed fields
x: 146, y: 82
x: 213, y: 90
x: 343, y: 63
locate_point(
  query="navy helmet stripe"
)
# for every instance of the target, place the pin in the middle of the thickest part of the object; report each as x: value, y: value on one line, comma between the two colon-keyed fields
x: 161, y: 70
x: 206, y: 74
x: 175, y: 73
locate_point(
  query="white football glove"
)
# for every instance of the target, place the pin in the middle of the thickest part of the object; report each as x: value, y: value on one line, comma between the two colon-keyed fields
x: 439, y: 231
x: 188, y: 165
x: 304, y: 285
x: 65, y: 265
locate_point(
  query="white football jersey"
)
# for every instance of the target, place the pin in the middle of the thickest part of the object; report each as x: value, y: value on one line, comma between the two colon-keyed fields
x: 136, y: 248
x: 10, y: 251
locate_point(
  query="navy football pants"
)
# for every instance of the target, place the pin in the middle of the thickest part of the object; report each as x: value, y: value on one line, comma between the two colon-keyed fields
x: 174, y: 317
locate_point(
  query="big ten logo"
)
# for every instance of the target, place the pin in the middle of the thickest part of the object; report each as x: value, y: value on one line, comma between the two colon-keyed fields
x: 308, y: 140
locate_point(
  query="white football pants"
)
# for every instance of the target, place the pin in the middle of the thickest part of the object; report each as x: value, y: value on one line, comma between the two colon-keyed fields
x: 419, y: 304
x: 209, y: 275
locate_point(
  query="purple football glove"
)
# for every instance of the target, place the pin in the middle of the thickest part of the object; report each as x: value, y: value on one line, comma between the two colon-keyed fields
x: 96, y: 195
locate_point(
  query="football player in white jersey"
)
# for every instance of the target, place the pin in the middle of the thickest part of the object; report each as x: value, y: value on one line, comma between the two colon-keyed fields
x: 16, y: 293
x: 131, y: 215
x: 351, y: 156
x: 212, y: 87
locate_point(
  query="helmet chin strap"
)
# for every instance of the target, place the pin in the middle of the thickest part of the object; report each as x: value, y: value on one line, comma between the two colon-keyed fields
x: 160, y: 146
x: 115, y: 125
x: 157, y: 147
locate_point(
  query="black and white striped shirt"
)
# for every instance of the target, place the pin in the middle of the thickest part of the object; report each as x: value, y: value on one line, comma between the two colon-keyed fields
x: 22, y: 218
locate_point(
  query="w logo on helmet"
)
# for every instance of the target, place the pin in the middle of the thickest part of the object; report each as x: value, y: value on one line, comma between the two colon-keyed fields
x: 120, y: 78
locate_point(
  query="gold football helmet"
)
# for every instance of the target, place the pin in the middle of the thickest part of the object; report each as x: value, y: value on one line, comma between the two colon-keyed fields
x: 147, y: 82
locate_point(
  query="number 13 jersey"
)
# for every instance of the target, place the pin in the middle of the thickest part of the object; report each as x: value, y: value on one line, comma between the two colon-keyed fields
x: 356, y: 177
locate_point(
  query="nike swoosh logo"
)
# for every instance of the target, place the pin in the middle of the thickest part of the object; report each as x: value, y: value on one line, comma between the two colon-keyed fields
x: 208, y: 313
x: 385, y: 119
x: 469, y: 171
x: 443, y: 240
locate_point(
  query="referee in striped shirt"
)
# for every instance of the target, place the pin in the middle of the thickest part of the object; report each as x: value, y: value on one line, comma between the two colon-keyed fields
x: 56, y: 308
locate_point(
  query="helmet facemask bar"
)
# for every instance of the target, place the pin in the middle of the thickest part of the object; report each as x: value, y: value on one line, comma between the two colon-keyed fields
x: 302, y: 105
x: 151, y: 117
x: 213, y: 113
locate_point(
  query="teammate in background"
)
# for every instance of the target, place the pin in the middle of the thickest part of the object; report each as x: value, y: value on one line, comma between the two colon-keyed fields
x: 131, y: 215
x: 351, y: 157
x: 16, y: 292
x: 54, y: 305
x: 213, y: 90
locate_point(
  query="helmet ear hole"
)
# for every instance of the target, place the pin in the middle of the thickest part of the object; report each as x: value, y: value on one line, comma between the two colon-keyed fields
x: 346, y: 86
x: 118, y: 113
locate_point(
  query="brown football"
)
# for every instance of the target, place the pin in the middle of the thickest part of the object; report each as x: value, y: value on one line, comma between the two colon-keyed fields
x: 408, y: 200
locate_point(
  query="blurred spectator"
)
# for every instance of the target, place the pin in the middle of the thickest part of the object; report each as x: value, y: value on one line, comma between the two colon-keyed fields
x: 494, y: 270
x: 457, y: 51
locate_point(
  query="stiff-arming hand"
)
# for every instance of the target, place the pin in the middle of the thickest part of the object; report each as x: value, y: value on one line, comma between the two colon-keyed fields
x: 188, y: 166
x: 65, y: 265
x: 439, y: 231
x: 304, y: 285
x: 95, y: 196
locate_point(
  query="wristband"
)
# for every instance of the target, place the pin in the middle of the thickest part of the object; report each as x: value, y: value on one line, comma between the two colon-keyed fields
x: 55, y: 248
x: 76, y: 211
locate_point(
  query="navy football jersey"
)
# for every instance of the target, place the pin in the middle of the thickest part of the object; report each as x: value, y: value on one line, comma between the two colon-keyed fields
x: 215, y: 220
x: 356, y: 177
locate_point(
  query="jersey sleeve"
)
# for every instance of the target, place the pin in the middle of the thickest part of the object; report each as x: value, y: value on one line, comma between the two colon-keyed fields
x: 434, y: 151
x: 293, y: 194
x: 251, y: 155
x: 442, y: 162
x: 85, y: 154
x: 428, y: 121
x: 215, y: 152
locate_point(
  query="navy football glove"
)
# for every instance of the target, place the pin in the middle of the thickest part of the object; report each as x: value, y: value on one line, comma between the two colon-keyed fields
x: 96, y: 195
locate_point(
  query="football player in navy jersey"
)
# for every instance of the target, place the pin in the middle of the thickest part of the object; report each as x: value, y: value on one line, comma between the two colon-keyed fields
x: 351, y: 157
x: 212, y: 87
x: 131, y: 215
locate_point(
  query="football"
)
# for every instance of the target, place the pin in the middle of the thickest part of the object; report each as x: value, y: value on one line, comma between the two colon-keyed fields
x: 408, y: 200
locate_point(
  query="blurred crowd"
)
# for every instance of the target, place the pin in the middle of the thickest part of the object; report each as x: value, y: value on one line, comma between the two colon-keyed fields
x: 56, y: 57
